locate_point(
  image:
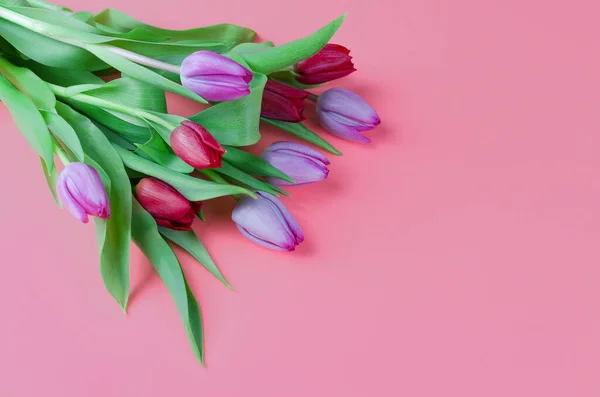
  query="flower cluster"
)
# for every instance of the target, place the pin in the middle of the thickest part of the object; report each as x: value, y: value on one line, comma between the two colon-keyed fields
x: 144, y: 173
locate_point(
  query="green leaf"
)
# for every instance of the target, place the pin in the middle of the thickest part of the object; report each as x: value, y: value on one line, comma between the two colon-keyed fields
x: 140, y: 72
x: 245, y: 179
x: 236, y: 123
x: 47, y: 5
x: 226, y: 35
x: 133, y: 93
x: 62, y: 77
x: 55, y: 53
x: 283, y: 56
x: 194, y: 189
x: 51, y: 178
x: 157, y: 150
x: 301, y: 131
x: 64, y: 132
x: 114, y: 137
x: 190, y: 242
x: 146, y: 237
x: 28, y: 83
x: 252, y: 164
x: 56, y: 18
x: 28, y: 120
x: 113, y: 234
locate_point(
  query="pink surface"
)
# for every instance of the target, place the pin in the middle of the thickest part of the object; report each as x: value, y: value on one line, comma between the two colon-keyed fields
x: 457, y: 255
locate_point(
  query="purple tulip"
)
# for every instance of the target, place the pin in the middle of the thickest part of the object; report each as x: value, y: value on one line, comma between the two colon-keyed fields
x: 81, y: 191
x: 215, y: 77
x: 345, y: 114
x: 267, y: 222
x: 301, y: 163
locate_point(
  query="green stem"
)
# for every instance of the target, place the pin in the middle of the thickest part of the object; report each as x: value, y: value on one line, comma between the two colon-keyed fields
x: 109, y: 105
x: 62, y: 155
x: 313, y: 97
x: 144, y: 60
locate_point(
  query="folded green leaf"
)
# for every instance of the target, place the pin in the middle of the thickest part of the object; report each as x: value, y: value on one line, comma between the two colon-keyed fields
x: 194, y: 189
x: 301, y: 131
x: 236, y: 123
x: 252, y: 164
x: 114, y: 234
x: 28, y: 83
x: 28, y: 120
x: 133, y: 93
x: 283, y: 56
x: 189, y: 241
x: 65, y: 133
x: 146, y: 237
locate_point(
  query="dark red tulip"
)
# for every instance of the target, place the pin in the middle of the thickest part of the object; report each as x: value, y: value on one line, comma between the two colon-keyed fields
x: 166, y: 205
x: 282, y: 102
x: 196, y: 146
x: 332, y: 62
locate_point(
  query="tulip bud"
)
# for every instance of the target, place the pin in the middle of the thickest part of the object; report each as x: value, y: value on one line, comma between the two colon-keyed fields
x: 81, y: 191
x: 301, y: 163
x: 345, y: 114
x: 282, y: 102
x: 332, y: 62
x: 166, y: 205
x: 215, y: 77
x: 196, y: 146
x: 267, y: 222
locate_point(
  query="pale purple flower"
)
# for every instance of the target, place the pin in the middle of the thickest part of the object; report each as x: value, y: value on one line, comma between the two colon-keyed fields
x: 215, y: 77
x: 267, y: 222
x: 345, y: 114
x: 301, y: 163
x: 82, y: 193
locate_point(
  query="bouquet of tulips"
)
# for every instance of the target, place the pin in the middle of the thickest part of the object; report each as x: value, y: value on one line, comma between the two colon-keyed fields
x: 144, y: 173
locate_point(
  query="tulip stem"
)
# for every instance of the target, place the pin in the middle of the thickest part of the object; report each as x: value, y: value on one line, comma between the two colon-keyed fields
x: 313, y: 97
x: 62, y: 155
x: 111, y: 105
x: 144, y: 60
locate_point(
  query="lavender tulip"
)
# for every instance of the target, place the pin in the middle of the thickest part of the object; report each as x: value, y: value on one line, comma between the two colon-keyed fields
x: 267, y: 222
x: 345, y: 114
x: 215, y: 77
x: 81, y: 191
x: 301, y: 163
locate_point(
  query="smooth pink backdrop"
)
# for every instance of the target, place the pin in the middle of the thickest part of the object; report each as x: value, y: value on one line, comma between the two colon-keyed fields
x: 457, y: 255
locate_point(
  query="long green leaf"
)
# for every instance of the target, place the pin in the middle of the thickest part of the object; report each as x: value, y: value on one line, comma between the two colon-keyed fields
x: 146, y: 237
x: 133, y: 93
x: 301, y: 131
x: 194, y: 189
x: 282, y: 56
x: 51, y: 178
x: 157, y: 150
x: 247, y: 180
x: 28, y: 120
x: 252, y: 164
x: 114, y: 234
x: 189, y: 241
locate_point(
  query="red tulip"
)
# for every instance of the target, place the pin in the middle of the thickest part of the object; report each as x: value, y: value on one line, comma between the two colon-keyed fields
x: 282, y: 102
x: 332, y: 62
x: 166, y: 205
x: 196, y: 146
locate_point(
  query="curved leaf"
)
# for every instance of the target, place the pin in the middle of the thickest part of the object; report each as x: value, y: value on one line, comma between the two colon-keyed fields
x: 189, y: 241
x: 252, y: 164
x: 282, y: 56
x: 29, y: 84
x: 65, y: 133
x: 301, y: 131
x: 146, y: 237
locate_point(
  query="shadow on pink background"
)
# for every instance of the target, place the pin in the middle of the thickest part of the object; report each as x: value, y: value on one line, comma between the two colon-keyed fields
x: 457, y: 255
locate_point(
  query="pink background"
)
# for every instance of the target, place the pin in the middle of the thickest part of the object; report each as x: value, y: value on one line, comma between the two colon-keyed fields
x: 457, y: 255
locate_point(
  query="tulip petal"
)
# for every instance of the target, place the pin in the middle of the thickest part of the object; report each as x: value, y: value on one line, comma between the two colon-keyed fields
x: 301, y: 169
x: 286, y: 214
x: 211, y: 63
x: 349, y: 107
x: 264, y: 243
x: 67, y: 199
x: 160, y: 199
x: 261, y: 219
x: 299, y: 149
